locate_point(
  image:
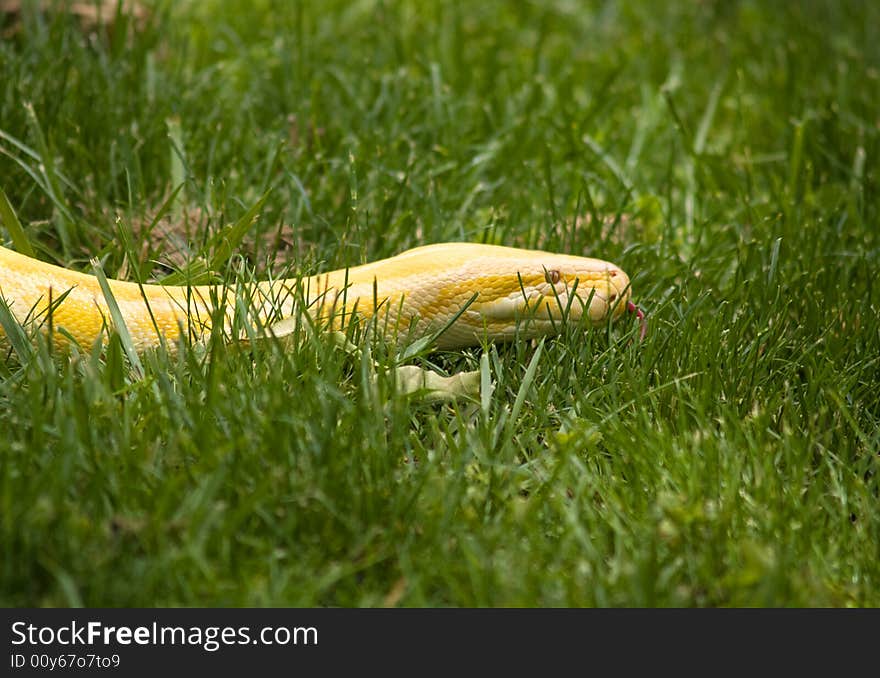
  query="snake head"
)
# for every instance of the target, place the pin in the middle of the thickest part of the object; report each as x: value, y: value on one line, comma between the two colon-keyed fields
x: 537, y: 294
x: 574, y: 291
x: 562, y: 291
x: 470, y: 292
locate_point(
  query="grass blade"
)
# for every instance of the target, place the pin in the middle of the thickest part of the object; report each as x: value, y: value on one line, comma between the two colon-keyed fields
x: 15, y: 333
x: 527, y: 382
x: 227, y: 240
x: 13, y: 225
x: 118, y: 321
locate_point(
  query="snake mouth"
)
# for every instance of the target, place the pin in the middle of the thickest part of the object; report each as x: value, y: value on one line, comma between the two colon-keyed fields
x: 607, y: 300
x: 596, y: 299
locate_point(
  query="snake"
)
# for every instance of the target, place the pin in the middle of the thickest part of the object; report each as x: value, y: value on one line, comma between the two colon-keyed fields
x: 457, y: 293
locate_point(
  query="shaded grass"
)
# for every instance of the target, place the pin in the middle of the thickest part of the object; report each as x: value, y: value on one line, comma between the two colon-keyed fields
x: 724, y: 154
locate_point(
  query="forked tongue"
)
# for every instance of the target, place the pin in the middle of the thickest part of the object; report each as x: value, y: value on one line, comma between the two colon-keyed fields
x: 640, y: 314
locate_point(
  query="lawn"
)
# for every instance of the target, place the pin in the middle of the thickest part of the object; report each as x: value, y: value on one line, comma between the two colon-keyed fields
x: 724, y: 154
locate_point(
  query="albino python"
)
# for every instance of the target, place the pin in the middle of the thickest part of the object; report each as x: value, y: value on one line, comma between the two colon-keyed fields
x: 501, y: 289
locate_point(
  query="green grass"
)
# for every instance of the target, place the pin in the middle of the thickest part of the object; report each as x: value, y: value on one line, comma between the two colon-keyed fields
x: 725, y: 154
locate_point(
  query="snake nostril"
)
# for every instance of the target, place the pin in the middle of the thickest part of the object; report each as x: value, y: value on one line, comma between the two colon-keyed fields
x: 613, y: 297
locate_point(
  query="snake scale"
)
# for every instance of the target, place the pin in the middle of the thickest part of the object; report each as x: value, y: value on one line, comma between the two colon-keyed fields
x: 474, y: 291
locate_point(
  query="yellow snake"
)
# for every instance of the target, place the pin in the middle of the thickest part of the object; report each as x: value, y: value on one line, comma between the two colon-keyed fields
x: 475, y: 291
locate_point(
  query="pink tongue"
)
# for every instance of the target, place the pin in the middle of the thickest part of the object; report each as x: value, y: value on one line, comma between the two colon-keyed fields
x: 640, y: 314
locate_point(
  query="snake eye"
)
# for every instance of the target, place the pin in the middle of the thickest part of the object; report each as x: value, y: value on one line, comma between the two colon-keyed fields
x: 552, y: 276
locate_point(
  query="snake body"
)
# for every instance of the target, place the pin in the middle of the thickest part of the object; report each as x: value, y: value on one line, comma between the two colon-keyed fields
x: 502, y: 290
